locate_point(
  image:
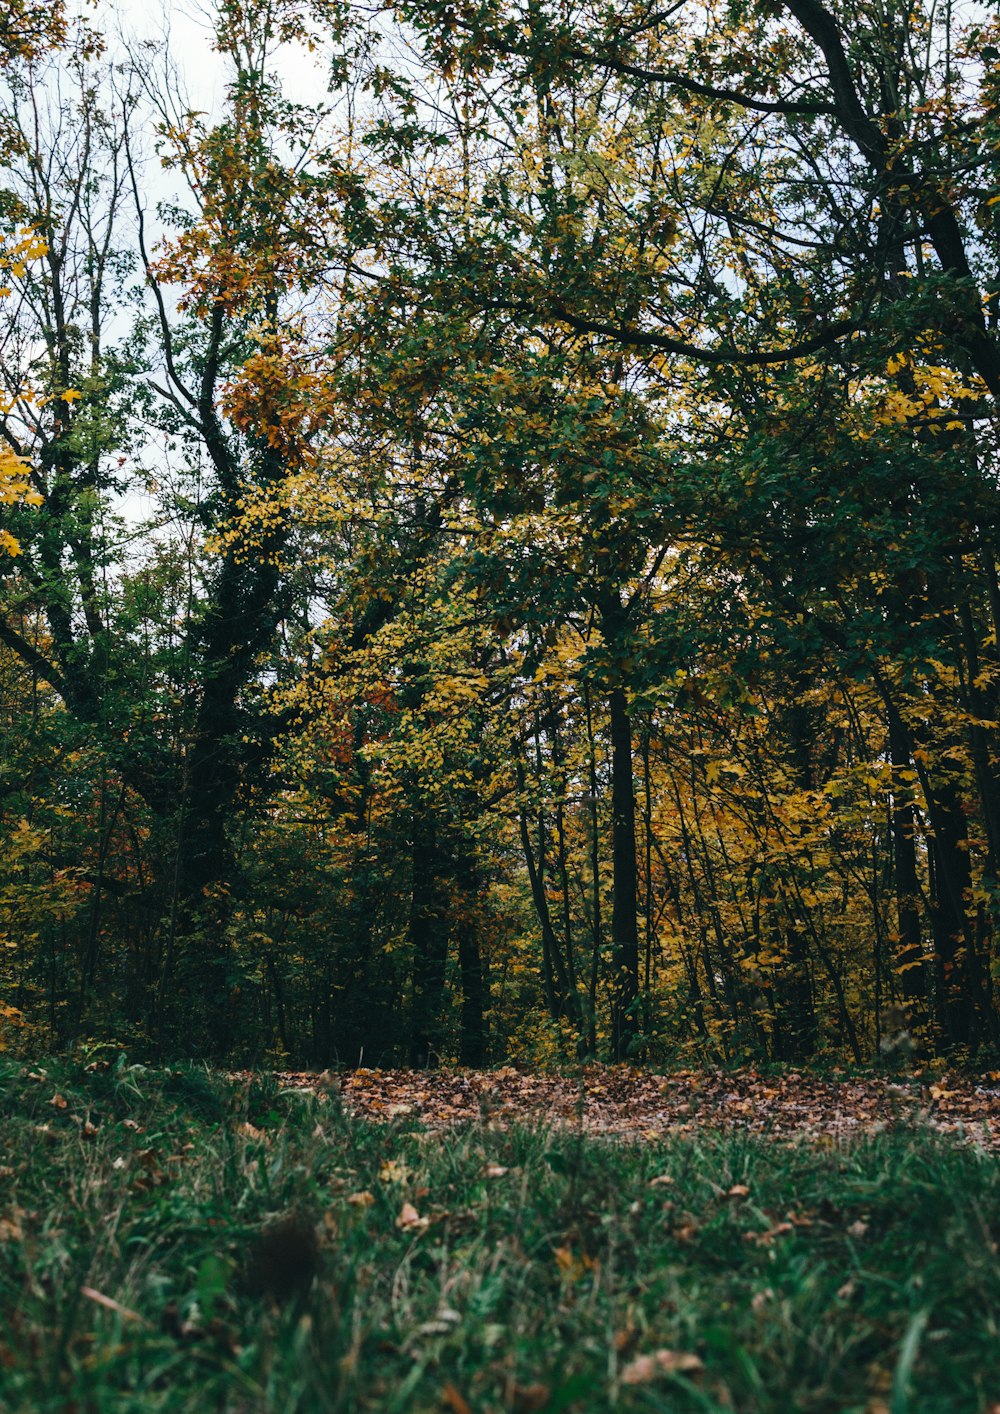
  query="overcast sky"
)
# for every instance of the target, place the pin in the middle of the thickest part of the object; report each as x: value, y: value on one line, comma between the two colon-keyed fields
x: 189, y: 27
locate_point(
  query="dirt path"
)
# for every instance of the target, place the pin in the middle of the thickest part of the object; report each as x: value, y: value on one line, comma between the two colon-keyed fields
x: 632, y: 1103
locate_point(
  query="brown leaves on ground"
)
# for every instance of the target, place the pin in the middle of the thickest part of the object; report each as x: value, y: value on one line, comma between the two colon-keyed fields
x: 662, y: 1362
x: 453, y: 1399
x: 409, y: 1219
x: 632, y: 1103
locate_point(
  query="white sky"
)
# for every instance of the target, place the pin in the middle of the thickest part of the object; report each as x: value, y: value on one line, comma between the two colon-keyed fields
x: 188, y: 26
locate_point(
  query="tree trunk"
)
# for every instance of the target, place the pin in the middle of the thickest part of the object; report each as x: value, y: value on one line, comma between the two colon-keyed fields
x: 909, y: 960
x: 472, y: 1041
x: 428, y: 942
x: 625, y: 882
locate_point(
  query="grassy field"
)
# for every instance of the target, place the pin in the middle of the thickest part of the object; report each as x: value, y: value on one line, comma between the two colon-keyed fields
x: 171, y: 1242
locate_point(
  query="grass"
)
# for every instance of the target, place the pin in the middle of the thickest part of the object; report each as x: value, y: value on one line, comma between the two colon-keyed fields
x: 170, y: 1242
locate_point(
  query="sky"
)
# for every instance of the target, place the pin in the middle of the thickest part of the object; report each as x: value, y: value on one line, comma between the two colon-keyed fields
x: 188, y: 25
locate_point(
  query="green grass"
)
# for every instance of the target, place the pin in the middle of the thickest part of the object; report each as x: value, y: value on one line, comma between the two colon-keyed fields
x: 250, y: 1272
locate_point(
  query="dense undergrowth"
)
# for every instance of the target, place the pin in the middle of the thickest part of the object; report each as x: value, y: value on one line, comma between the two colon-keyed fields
x: 170, y: 1241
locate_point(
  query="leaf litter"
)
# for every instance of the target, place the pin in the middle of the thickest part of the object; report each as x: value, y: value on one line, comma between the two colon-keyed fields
x: 631, y: 1103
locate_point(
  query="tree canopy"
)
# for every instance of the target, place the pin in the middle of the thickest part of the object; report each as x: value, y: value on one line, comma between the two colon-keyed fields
x: 502, y: 561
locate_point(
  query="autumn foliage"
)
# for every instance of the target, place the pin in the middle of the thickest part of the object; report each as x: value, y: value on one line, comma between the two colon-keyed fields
x: 499, y: 535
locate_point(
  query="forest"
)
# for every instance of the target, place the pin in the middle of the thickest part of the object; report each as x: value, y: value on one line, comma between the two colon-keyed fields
x: 499, y: 532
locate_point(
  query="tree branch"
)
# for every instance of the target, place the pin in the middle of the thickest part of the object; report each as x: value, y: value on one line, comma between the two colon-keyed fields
x: 35, y: 660
x: 723, y: 354
x: 675, y: 79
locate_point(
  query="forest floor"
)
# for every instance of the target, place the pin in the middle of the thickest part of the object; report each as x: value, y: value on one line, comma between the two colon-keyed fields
x: 176, y: 1241
x: 631, y: 1103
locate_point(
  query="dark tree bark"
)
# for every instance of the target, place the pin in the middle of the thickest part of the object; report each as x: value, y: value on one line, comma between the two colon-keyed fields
x: 428, y: 941
x: 624, y: 913
x: 909, y: 957
x: 472, y: 1045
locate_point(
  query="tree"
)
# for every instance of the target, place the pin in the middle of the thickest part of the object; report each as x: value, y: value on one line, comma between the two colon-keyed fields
x: 189, y: 740
x: 869, y: 275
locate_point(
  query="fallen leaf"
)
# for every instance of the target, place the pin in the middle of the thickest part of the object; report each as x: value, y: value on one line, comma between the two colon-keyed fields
x: 565, y: 1260
x: 409, y: 1219
x: 764, y: 1239
x: 364, y: 1199
x: 662, y: 1362
x: 624, y: 1340
x: 573, y: 1266
x: 528, y: 1399
x: 454, y: 1400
